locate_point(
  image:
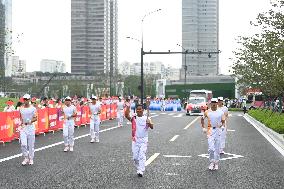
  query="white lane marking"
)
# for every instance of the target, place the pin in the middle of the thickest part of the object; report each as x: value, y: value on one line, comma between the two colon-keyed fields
x: 163, y: 113
x: 231, y: 130
x: 179, y: 115
x: 274, y: 144
x: 174, y: 138
x: 153, y: 113
x: 154, y: 116
x: 230, y: 115
x: 172, y: 174
x: 151, y: 159
x: 176, y: 156
x: 240, y: 115
x: 171, y: 114
x: 232, y: 156
x: 176, y: 164
x: 191, y: 123
x: 55, y: 144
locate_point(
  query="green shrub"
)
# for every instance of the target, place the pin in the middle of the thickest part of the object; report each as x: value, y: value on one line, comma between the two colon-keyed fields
x: 273, y: 120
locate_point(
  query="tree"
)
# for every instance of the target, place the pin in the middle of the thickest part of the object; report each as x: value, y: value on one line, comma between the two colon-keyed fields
x: 260, y: 60
x: 131, y: 83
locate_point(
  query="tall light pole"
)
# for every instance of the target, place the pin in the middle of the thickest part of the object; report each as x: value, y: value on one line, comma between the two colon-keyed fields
x: 142, y: 52
x: 185, y: 66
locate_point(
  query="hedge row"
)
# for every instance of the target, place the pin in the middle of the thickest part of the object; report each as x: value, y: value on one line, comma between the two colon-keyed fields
x: 273, y: 120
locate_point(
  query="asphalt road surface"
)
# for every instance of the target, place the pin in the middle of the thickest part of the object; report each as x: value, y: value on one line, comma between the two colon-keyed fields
x: 176, y: 158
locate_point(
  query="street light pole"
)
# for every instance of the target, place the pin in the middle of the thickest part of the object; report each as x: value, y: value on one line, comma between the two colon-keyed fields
x: 142, y: 53
x: 185, y: 66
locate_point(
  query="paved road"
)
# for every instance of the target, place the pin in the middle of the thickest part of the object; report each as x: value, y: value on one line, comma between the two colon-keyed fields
x: 251, y: 161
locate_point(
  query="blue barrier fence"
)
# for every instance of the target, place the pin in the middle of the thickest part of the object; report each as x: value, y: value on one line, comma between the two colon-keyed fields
x: 168, y: 106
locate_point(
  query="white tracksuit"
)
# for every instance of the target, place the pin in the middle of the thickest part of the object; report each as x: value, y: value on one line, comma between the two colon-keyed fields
x: 139, y: 142
x: 223, y: 129
x: 95, y: 121
x: 120, y: 113
x: 214, y: 133
x: 27, y: 132
x: 68, y: 126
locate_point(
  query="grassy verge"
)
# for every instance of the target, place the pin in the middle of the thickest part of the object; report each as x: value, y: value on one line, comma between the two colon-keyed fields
x: 274, y: 121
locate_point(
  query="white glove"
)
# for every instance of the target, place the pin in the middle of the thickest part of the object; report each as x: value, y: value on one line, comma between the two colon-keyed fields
x: 204, y: 130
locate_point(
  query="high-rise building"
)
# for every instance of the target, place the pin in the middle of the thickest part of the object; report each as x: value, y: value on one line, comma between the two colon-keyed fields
x: 93, y: 37
x: 18, y: 66
x: 52, y: 66
x: 22, y: 66
x: 5, y: 37
x: 200, y: 25
x: 15, y: 64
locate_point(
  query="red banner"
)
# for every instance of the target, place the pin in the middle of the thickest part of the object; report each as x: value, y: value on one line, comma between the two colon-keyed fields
x: 49, y: 119
x: 103, y: 114
x: 108, y: 111
x: 6, y: 126
x: 113, y: 111
x: 60, y: 118
x: 17, y: 123
x: 78, y: 117
x: 42, y: 125
x: 52, y: 119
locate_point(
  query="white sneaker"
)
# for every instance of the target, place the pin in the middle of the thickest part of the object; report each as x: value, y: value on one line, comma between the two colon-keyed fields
x: 211, y: 166
x: 222, y: 151
x: 31, y: 162
x: 216, y: 166
x: 139, y: 174
x: 92, y: 140
x: 25, y: 162
x: 71, y: 149
x: 97, y: 140
x: 66, y: 149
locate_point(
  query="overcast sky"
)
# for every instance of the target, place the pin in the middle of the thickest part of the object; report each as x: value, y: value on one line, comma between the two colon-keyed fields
x: 46, y: 28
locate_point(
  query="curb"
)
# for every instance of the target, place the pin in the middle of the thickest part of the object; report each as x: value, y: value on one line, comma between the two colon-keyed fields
x: 276, y: 137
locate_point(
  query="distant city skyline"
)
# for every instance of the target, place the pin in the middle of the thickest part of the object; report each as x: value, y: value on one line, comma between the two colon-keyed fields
x: 48, y: 36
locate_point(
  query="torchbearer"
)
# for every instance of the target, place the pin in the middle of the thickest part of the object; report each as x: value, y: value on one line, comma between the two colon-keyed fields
x: 95, y: 111
x: 216, y: 120
x: 140, y: 125
x: 120, y: 112
x: 69, y: 112
x: 27, y: 130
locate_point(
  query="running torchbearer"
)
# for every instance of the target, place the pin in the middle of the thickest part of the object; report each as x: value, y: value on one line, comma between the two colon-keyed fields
x: 69, y: 112
x: 120, y: 112
x: 95, y: 111
x: 216, y: 120
x: 27, y: 130
x: 140, y: 125
x: 223, y: 129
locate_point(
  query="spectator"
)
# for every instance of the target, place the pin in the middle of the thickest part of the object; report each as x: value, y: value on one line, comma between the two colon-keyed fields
x: 10, y: 106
